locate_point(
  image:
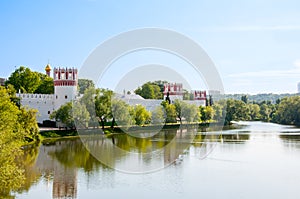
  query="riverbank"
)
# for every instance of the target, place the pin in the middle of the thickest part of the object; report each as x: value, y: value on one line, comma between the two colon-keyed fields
x: 49, y: 136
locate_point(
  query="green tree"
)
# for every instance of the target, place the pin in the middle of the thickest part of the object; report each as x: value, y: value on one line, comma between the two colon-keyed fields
x: 64, y: 115
x: 170, y: 111
x: 89, y: 100
x: 72, y: 115
x: 141, y: 115
x: 149, y: 90
x: 80, y: 114
x: 207, y: 113
x: 288, y: 111
x: 17, y: 127
x: 158, y: 116
x: 11, y: 176
x: 254, y: 111
x: 46, y: 85
x: 189, y: 112
x: 27, y: 81
x: 84, y: 84
x: 24, y: 79
x: 265, y: 112
x: 236, y: 110
x: 219, y: 111
x: 121, y: 113
x: 103, y: 105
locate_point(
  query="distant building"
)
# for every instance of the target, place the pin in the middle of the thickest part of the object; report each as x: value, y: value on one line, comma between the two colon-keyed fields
x: 173, y: 91
x: 2, y: 81
x: 65, y: 90
x: 299, y: 87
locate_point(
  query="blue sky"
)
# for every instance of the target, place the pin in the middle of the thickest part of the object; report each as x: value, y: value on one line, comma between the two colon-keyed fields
x: 254, y: 44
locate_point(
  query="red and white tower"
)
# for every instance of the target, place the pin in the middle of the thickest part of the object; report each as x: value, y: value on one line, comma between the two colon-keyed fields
x: 199, y: 95
x: 65, y: 85
x: 174, y: 91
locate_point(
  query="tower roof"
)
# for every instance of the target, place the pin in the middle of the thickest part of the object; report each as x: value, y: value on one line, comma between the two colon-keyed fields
x: 48, y: 68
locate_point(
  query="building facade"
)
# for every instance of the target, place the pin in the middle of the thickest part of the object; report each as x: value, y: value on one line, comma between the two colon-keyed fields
x: 173, y: 91
x: 65, y: 90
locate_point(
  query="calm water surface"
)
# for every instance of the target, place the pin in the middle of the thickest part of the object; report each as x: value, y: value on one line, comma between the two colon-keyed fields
x: 261, y: 160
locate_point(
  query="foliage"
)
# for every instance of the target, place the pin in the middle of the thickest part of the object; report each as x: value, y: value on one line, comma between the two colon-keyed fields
x: 103, y: 104
x: 186, y: 111
x: 88, y: 99
x: 236, y: 110
x: 141, y: 115
x: 15, y: 126
x: 121, y: 113
x: 46, y: 86
x: 254, y: 111
x: 206, y: 113
x: 288, y: 111
x: 28, y: 81
x: 170, y: 111
x: 150, y: 90
x: 72, y: 115
x: 158, y: 115
x: 219, y: 111
x: 84, y: 84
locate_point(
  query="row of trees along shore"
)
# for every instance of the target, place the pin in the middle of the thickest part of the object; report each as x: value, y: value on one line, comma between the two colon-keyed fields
x: 101, y: 104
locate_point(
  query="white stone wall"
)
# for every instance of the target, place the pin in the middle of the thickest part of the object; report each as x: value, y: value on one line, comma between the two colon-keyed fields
x: 42, y: 102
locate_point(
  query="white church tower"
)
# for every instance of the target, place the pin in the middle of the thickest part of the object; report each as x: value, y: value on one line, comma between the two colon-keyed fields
x: 65, y: 85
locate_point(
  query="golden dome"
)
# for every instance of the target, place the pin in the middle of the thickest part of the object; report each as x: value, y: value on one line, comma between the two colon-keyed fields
x: 48, y: 68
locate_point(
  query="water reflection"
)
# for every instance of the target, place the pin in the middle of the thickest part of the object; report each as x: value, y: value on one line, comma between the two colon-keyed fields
x: 57, y: 163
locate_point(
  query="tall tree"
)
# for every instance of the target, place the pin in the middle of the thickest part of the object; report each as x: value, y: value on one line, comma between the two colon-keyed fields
x: 103, y: 105
x: 84, y: 84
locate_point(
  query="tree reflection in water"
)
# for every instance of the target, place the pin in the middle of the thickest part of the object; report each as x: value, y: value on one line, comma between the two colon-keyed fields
x: 59, y: 163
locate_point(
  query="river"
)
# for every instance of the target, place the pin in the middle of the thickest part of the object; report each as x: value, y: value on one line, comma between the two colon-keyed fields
x: 259, y: 160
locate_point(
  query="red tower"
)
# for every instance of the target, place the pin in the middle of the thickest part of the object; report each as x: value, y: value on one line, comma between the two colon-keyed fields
x: 199, y: 95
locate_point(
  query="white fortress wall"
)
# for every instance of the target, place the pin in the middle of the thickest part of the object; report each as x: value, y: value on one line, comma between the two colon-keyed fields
x: 44, y: 103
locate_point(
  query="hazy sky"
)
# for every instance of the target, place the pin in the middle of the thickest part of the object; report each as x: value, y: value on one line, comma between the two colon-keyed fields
x: 254, y: 44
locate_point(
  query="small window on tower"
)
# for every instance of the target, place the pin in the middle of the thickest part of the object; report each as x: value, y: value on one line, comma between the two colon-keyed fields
x: 56, y: 96
x: 66, y: 97
x: 48, y: 112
